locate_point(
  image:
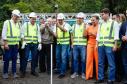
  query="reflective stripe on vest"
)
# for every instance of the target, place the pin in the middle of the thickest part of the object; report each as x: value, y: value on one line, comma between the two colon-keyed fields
x: 78, y: 38
x: 63, y: 37
x: 31, y: 34
x: 13, y: 34
x: 107, y: 36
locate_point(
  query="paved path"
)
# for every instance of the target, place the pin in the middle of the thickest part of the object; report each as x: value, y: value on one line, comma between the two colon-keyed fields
x: 43, y: 78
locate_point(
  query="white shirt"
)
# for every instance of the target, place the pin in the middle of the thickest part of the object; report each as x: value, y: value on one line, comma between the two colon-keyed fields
x: 5, y: 27
x: 24, y: 29
x: 115, y: 28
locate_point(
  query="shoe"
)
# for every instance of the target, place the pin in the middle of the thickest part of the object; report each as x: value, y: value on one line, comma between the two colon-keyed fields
x: 125, y: 82
x: 74, y: 75
x: 83, y: 76
x: 34, y: 74
x: 5, y: 76
x: 15, y: 75
x: 56, y: 71
x: 110, y: 82
x: 61, y: 76
x: 99, y: 81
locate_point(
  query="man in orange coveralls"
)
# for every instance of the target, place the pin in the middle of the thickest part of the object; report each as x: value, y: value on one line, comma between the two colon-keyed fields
x: 92, y: 54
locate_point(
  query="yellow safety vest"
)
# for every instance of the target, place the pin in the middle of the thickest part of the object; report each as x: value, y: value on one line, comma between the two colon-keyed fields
x: 31, y: 33
x: 13, y: 33
x: 62, y: 37
x: 107, y: 35
x: 78, y: 38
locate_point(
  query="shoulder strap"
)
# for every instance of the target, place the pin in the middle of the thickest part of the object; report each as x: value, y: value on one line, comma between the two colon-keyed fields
x: 10, y: 28
x: 27, y: 28
x: 74, y: 29
x: 64, y: 32
x: 111, y: 29
x: 37, y: 28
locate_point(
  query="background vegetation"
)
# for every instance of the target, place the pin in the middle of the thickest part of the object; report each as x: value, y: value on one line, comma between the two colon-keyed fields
x: 42, y: 6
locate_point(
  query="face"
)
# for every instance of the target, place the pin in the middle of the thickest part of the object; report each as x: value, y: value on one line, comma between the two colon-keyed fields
x: 15, y: 18
x: 60, y: 21
x: 117, y: 18
x: 32, y: 20
x: 104, y: 16
x: 114, y: 17
x: 80, y: 20
x: 94, y: 21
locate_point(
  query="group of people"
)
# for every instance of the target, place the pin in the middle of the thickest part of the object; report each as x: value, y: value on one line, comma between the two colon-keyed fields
x: 102, y: 43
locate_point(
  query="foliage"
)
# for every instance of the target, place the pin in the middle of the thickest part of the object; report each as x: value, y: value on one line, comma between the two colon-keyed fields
x: 42, y: 6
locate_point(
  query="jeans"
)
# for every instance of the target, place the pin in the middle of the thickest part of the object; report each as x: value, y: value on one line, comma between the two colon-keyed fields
x: 108, y: 52
x: 61, y: 57
x: 124, y: 61
x: 10, y: 54
x: 33, y: 48
x: 79, y: 50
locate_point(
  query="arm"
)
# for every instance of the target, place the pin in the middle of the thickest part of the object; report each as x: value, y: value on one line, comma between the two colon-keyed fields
x: 4, y: 35
x: 116, y: 35
x: 39, y: 34
x: 42, y: 28
x: 61, y: 28
x: 85, y: 31
x: 121, y: 32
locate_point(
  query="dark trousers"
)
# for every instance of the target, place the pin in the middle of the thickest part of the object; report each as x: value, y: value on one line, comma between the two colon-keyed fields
x: 119, y: 69
x: 124, y: 61
x: 10, y: 54
x: 33, y: 48
x: 45, y: 58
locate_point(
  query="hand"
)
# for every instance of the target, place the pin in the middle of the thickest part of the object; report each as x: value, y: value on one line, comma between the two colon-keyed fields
x: 23, y: 45
x: 6, y: 46
x: 124, y: 38
x: 114, y: 48
x: 39, y: 47
x: 71, y: 46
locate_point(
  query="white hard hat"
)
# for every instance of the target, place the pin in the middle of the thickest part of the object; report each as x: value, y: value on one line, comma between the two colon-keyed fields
x: 16, y: 12
x: 80, y: 15
x: 60, y: 16
x: 32, y: 14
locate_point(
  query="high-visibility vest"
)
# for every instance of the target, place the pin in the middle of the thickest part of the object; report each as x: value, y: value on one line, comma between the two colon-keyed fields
x: 78, y: 38
x: 62, y: 37
x: 31, y: 33
x: 107, y: 36
x: 13, y: 33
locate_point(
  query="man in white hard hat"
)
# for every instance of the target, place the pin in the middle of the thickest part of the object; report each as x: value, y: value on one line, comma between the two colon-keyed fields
x: 11, y: 38
x: 62, y: 33
x: 31, y: 42
x: 79, y: 45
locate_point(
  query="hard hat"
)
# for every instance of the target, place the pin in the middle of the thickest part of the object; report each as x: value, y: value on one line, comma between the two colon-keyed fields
x: 33, y: 14
x: 16, y: 12
x: 60, y: 16
x: 80, y: 15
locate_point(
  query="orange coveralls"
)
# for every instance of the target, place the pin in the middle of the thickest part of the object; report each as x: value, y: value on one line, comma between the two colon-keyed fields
x: 92, y: 53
